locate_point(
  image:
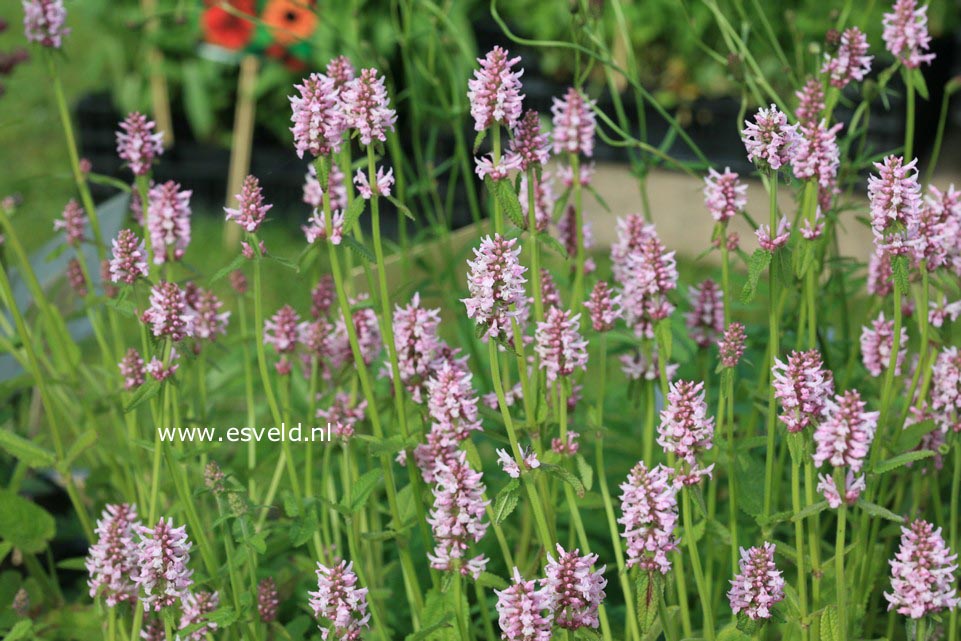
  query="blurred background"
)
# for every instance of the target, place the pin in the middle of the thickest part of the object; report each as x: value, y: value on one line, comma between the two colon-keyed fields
x: 186, y: 63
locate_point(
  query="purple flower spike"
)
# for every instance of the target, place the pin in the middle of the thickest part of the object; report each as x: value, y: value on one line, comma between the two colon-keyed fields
x: 705, y: 321
x: 877, y: 341
x: 778, y: 240
x: 895, y: 197
x: 731, y: 345
x: 649, y: 516
x: 366, y: 107
x: 804, y: 389
x: 529, y: 144
x: 281, y: 330
x: 382, y: 184
x: 575, y: 591
x: 457, y: 517
x: 574, y: 124
x: 844, y: 436
x: 318, y: 122
x: 43, y: 22
x: 161, y: 571
x: 906, y: 33
x: 132, y: 369
x: 922, y: 573
x: 251, y: 207
x: 207, y: 320
x: 686, y: 431
x: 561, y: 348
x: 524, y: 612
x: 810, y: 102
x: 604, y: 308
x: 73, y: 223
x: 338, y: 604
x: 196, y: 607
x: 129, y: 260
x: 341, y: 71
x: 111, y: 560
x: 769, y: 140
x: 496, y: 285
x: 169, y: 221
x: 851, y: 62
x: 724, y: 194
x: 267, y: 599
x: 495, y: 90
x: 759, y: 586
x: 138, y: 145
x: 946, y: 389
x: 168, y: 314
x: 342, y: 415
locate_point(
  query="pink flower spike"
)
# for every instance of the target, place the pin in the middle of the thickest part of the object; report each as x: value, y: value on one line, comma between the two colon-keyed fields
x: 129, y: 260
x: 316, y: 227
x: 804, y: 389
x: 895, y: 198
x: 160, y: 570
x: 780, y: 239
x: 43, y: 22
x: 759, y: 586
x: 574, y: 589
x: 853, y: 486
x: 457, y: 516
x: 366, y: 107
x: 705, y: 321
x: 845, y: 435
x: 731, y: 345
x: 111, y: 560
x: 132, y: 369
x: 314, y: 192
x: 649, y: 516
x: 770, y: 141
x: 267, y: 599
x: 318, y: 122
x: 168, y: 220
x: 561, y: 348
x: 810, y: 102
x: 168, y: 314
x: 338, y: 604
x: 381, y: 187
x: 574, y: 123
x: 251, y: 208
x: 529, y: 145
x: 73, y: 223
x: 686, y: 431
x: 496, y: 285
x: 509, y: 465
x: 196, y: 607
x: 851, y: 63
x: 207, y: 319
x: 76, y: 278
x: 946, y: 390
x: 485, y: 166
x: 524, y: 612
x: 495, y: 90
x: 922, y: 573
x: 160, y: 372
x: 281, y: 330
x: 343, y: 415
x: 724, y: 194
x: 604, y: 308
x: 877, y: 341
x: 138, y: 145
x: 341, y: 70
x: 906, y: 33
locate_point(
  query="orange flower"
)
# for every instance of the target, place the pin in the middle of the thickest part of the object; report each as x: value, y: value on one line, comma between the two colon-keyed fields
x: 227, y: 29
x: 290, y: 21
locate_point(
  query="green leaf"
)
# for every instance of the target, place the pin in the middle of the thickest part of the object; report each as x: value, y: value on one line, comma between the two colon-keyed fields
x: 109, y: 181
x: 662, y: 331
x: 650, y: 590
x: 479, y: 139
x: 899, y: 267
x: 362, y: 488
x: 585, y: 470
x: 919, y: 83
x: 760, y: 261
x: 551, y: 243
x: 24, y: 524
x: 830, y: 626
x: 360, y: 249
x: 506, y: 501
x: 565, y: 475
x: 380, y: 535
x: 78, y: 563
x: 750, y: 495
x: 81, y: 445
x: 22, y: 630
x: 303, y: 528
x: 401, y: 207
x: 223, y: 617
x: 354, y: 211
x: 747, y: 625
x: 506, y: 198
x: 902, y: 459
x: 25, y: 451
x: 228, y: 268
x: 795, y: 443
x: 488, y: 580
x: 731, y: 633
x: 144, y: 393
x: 881, y: 512
x: 811, y: 510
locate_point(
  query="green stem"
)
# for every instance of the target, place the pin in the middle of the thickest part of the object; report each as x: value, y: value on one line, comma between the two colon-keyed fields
x: 535, y: 250
x: 802, y: 577
x: 578, y: 295
x: 909, y: 123
x: 840, y: 583
x: 953, y: 627
x: 702, y: 588
x: 498, y: 215
x: 773, y: 352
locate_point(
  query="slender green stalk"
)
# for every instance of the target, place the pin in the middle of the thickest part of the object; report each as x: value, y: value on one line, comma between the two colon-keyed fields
x: 498, y: 214
x: 703, y: 589
x: 725, y: 410
x: 802, y: 578
x: 840, y: 583
x: 909, y: 118
x: 534, y: 249
x: 773, y: 353
x: 577, y: 298
x: 953, y: 627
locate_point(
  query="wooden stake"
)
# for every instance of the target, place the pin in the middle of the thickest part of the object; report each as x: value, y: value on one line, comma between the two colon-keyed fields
x: 242, y: 140
x: 159, y: 93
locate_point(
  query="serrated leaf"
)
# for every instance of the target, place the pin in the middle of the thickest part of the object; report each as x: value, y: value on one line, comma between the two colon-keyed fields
x: 228, y: 268
x: 747, y: 625
x: 401, y: 207
x: 899, y: 268
x: 650, y: 589
x: 662, y: 332
x: 920, y: 85
x: 795, y: 443
x: 811, y: 510
x: 144, y: 393
x: 551, y: 243
x: 223, y: 617
x: 506, y: 501
x: 360, y: 249
x: 86, y: 441
x: 353, y: 213
x: 27, y: 452
x: 23, y: 629
x: 902, y: 459
x: 24, y: 524
x: 489, y: 580
x: 830, y: 626
x: 303, y: 528
x: 506, y: 198
x: 586, y: 471
x: 759, y: 262
x: 565, y: 475
x: 362, y: 488
x: 879, y: 511
x: 479, y: 139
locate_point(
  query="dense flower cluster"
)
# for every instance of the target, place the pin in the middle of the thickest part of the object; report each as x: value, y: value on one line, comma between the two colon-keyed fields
x: 366, y: 107
x: 877, y: 343
x: 457, y: 516
x: 774, y: 240
x: 44, y: 22
x: 316, y: 115
x: 495, y: 90
x: 168, y: 314
x: 251, y: 208
x: 524, y: 612
x: 946, y: 390
x: 559, y: 345
x: 906, y: 33
x: 267, y: 599
x: 161, y: 569
x: 649, y: 516
x: 196, y: 607
x: 759, y: 586
x: 604, y: 307
x: 770, y: 141
x: 574, y: 123
x: 129, y: 260
x: 496, y: 285
x: 574, y: 589
x: 803, y: 387
x: 646, y: 271
x: 851, y: 62
x: 724, y: 194
x: 316, y: 227
x: 529, y: 144
x: 922, y: 573
x: 138, y: 144
x: 168, y: 220
x: 111, y: 559
x: 731, y: 345
x: 705, y: 321
x: 338, y: 604
x: 686, y: 431
x: 895, y: 197
x: 382, y: 183
x: 73, y: 223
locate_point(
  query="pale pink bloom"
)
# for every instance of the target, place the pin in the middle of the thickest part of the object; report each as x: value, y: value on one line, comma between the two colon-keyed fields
x: 524, y: 612
x: 316, y: 227
x: 780, y: 238
x: 416, y: 344
x: 559, y: 344
x: 638, y: 366
x: 138, y: 145
x: 382, y: 184
x: 496, y: 285
x: 922, y: 573
x: 343, y: 414
x: 586, y: 174
x: 76, y: 278
x: 946, y: 389
x: 281, y: 330
x: 509, y: 465
x: 574, y: 589
x: 485, y: 166
x: 168, y: 220
x: 817, y: 157
x: 452, y: 407
x: 110, y: 561
x: 804, y: 389
x: 161, y: 569
x: 196, y: 607
x: 844, y: 437
x: 759, y: 586
x: 906, y: 33
x: 604, y: 307
x: 686, y: 431
x: 341, y: 70
x: 810, y: 102
x: 649, y: 516
x: 769, y: 140
x: 338, y: 604
x: 877, y: 341
x: 248, y: 251
x: 365, y: 107
x: 495, y: 90
x: 317, y: 118
x: 705, y: 321
x: 943, y: 311
x: 813, y: 232
x: 647, y: 273
x: 853, y: 486
x: 574, y: 123
x: 73, y: 223
x: 457, y: 516
x: 207, y: 320
x: 529, y: 144
x: 129, y: 260
x: 132, y: 369
x: 44, y: 22
x: 161, y: 372
x: 880, y: 274
x: 851, y: 61
x: 895, y: 197
x: 569, y: 448
x: 251, y: 208
x: 314, y: 192
x: 731, y: 345
x: 724, y: 194
x: 322, y: 297
x: 168, y: 314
